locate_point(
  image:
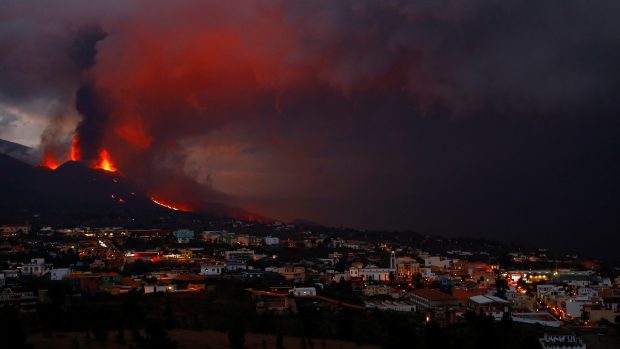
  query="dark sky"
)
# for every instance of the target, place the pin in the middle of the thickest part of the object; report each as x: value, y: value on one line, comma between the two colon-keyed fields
x: 480, y: 118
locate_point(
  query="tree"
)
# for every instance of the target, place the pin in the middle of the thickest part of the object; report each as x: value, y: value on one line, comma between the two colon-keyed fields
x: 502, y: 287
x: 196, y: 323
x: 136, y: 336
x: 302, y: 343
x: 359, y: 338
x: 87, y: 339
x: 131, y: 307
x: 157, y: 338
x: 585, y: 316
x: 398, y: 334
x: 120, y: 337
x: 100, y: 332
x: 236, y: 337
x: 11, y: 331
x: 506, y: 322
x: 168, y: 316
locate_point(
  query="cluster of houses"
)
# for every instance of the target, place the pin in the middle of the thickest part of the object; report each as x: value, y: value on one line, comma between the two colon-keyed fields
x: 445, y: 287
x: 580, y: 296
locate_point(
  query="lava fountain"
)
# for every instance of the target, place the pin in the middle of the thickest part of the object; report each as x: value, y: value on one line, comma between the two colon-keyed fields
x: 105, y: 162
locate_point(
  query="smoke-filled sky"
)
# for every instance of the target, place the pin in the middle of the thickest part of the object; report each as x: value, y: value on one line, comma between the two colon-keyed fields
x: 475, y: 117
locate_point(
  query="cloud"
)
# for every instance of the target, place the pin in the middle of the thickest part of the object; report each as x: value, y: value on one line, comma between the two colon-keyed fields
x: 365, y: 113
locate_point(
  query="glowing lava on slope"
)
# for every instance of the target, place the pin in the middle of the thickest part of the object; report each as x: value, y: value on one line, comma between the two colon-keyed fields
x: 103, y: 162
x: 165, y: 204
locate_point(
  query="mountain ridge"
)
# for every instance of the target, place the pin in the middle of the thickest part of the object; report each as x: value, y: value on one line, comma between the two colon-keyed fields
x: 74, y: 187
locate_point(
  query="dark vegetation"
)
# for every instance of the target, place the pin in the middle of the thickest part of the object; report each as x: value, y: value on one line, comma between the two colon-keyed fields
x: 226, y: 307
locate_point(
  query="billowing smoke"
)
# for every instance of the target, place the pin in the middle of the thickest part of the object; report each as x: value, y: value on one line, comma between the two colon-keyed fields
x: 88, y: 133
x: 88, y: 101
x: 365, y: 113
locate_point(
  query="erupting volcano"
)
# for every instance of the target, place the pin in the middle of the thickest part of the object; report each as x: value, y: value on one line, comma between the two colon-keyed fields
x: 80, y: 153
x: 103, y: 162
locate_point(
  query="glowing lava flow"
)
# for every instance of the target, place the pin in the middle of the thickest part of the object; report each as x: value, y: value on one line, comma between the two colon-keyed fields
x: 50, y: 162
x: 163, y: 204
x: 105, y: 162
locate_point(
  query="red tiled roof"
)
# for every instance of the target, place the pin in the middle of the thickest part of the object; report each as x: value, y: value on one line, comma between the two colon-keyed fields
x: 432, y: 294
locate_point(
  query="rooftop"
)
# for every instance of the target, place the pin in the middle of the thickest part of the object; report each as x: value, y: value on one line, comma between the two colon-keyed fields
x: 481, y: 299
x: 433, y: 295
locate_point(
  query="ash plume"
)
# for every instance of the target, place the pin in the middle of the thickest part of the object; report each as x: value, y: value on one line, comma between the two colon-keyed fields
x: 90, y: 131
x: 88, y: 100
x: 81, y: 55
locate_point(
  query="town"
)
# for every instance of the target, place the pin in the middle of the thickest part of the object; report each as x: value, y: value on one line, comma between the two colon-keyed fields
x: 300, y: 282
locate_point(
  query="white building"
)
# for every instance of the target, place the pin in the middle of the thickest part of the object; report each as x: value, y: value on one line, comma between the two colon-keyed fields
x: 9, y: 273
x: 36, y: 267
x: 243, y: 254
x: 587, y: 292
x: 271, y: 240
x: 59, y: 273
x: 427, y: 272
x: 165, y: 288
x: 212, y: 269
x: 304, y: 291
x: 574, y: 306
x: 372, y: 273
x: 390, y: 306
x: 490, y: 305
x: 437, y: 261
x: 549, y: 290
x: 543, y: 319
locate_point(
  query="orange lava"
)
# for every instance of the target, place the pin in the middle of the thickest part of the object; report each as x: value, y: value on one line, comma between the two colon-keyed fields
x: 50, y: 162
x: 105, y: 162
x: 165, y: 204
x: 75, y: 151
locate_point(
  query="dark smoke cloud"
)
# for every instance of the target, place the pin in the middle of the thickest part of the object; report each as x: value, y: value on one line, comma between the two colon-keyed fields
x: 83, y: 51
x: 480, y: 117
x: 91, y: 129
x: 88, y: 101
